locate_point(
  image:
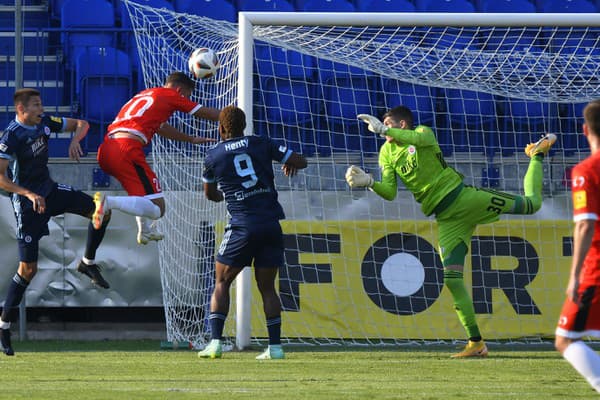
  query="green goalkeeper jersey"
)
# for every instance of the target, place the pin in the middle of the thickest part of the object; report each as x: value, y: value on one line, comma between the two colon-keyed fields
x: 415, y: 156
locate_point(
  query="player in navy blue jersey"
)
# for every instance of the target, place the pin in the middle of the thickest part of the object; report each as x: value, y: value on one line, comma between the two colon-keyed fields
x: 36, y: 197
x: 239, y: 170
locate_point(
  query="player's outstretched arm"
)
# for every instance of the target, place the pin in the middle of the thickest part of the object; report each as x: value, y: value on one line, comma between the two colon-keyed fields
x: 387, y: 188
x: 80, y: 128
x: 209, y: 113
x: 172, y: 133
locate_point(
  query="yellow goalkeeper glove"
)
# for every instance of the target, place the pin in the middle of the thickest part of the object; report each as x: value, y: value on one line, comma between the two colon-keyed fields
x: 358, y: 178
x: 375, y: 125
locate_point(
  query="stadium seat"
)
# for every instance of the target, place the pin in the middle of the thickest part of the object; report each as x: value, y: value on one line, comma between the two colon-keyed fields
x: 506, y: 6
x: 265, y: 5
x: 123, y: 16
x: 221, y: 10
x: 95, y: 15
x: 566, y: 6
x: 523, y: 122
x: 571, y: 122
x: 345, y: 92
x: 128, y: 40
x: 290, y: 112
x: 454, y: 6
x: 384, y: 6
x: 327, y: 6
x: 472, y: 120
x: 284, y: 103
x: 103, y: 83
x: 420, y: 99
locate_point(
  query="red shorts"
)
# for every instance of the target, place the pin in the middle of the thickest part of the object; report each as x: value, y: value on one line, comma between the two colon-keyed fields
x: 125, y: 160
x: 582, y: 317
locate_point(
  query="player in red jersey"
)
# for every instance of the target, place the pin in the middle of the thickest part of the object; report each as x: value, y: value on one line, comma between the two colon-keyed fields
x: 121, y: 154
x: 580, y: 315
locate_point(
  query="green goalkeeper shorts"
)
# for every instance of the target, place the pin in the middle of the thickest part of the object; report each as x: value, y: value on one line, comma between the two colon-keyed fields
x: 472, y: 207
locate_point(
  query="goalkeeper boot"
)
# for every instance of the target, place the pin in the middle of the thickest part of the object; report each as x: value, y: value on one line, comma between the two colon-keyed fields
x: 541, y: 146
x: 93, y: 272
x: 100, y: 210
x: 144, y: 236
x: 6, y: 343
x: 212, y: 350
x: 273, y: 352
x: 473, y: 349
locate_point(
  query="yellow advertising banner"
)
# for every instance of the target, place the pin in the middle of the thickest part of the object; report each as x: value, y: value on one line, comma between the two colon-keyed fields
x: 384, y: 279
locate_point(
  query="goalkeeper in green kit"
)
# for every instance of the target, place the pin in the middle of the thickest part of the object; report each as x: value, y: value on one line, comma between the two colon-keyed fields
x: 413, y: 154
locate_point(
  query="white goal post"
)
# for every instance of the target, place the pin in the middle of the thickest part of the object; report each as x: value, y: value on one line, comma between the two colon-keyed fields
x: 360, y: 270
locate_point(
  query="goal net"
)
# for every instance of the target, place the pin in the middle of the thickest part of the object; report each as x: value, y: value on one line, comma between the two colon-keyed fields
x: 359, y: 269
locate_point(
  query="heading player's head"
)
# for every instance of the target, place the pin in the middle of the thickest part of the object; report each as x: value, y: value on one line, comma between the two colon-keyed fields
x: 28, y: 106
x: 180, y: 82
x: 232, y: 122
x: 591, y: 117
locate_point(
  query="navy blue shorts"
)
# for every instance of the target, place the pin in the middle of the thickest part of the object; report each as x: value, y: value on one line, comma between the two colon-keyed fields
x: 31, y: 226
x: 261, y: 243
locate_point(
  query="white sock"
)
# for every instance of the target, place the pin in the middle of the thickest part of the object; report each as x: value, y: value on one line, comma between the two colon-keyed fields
x: 87, y: 261
x: 4, y: 325
x: 134, y: 205
x: 586, y: 361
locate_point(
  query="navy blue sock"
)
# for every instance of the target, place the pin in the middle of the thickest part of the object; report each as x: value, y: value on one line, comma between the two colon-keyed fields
x: 274, y: 329
x: 217, y: 322
x: 17, y: 287
x: 94, y: 238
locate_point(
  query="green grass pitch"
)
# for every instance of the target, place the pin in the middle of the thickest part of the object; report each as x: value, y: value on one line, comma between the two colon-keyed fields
x: 64, y: 370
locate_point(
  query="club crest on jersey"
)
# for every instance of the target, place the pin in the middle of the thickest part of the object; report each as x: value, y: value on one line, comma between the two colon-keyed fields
x: 412, y: 149
x: 46, y: 131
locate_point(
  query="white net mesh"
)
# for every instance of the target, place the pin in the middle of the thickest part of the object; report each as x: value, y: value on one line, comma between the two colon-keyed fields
x: 360, y: 269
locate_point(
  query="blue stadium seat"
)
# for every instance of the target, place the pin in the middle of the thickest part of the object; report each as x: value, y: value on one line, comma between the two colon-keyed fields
x: 221, y: 10
x: 345, y: 92
x: 265, y: 5
x: 472, y: 120
x: 290, y: 112
x: 506, y: 6
x: 454, y: 6
x: 181, y: 5
x: 128, y: 40
x: 384, y: 6
x: 566, y: 6
x: 523, y: 122
x: 327, y: 6
x: 103, y: 83
x: 284, y: 103
x: 94, y: 15
x: 571, y: 121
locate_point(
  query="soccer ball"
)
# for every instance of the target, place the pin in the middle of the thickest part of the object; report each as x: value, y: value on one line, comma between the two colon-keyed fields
x: 203, y: 63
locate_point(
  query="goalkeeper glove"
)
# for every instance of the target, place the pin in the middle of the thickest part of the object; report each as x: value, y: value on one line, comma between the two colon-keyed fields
x: 375, y: 125
x: 357, y: 178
